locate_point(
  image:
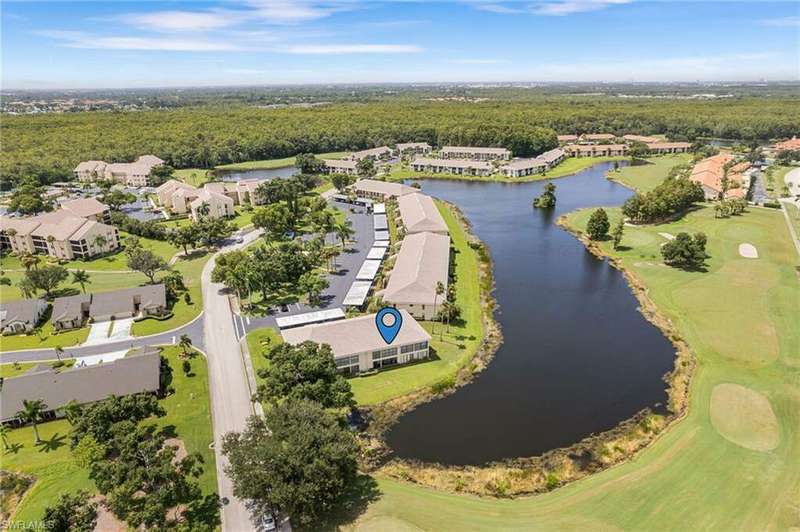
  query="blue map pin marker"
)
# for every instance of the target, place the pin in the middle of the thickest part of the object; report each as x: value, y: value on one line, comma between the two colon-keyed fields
x: 388, y: 320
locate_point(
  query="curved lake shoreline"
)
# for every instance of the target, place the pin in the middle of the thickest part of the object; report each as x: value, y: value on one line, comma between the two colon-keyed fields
x: 577, y: 359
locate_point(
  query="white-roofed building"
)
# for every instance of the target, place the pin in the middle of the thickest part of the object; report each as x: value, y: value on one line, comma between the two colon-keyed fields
x: 422, y: 262
x: 419, y: 213
x: 452, y: 166
x: 340, y: 166
x: 475, y: 153
x: 412, y: 148
x: 380, y: 190
x: 358, y: 346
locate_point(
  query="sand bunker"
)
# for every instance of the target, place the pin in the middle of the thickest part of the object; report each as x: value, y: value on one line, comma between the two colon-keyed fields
x: 744, y: 417
x: 748, y: 251
x: 668, y: 236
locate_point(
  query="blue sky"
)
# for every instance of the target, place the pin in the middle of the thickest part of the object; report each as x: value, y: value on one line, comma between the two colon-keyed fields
x: 180, y: 43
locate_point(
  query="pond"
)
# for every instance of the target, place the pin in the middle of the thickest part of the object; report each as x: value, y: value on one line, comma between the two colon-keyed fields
x: 269, y: 173
x: 577, y: 356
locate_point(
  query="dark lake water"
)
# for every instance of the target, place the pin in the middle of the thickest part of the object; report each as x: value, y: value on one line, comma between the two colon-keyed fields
x: 577, y: 357
x: 272, y: 173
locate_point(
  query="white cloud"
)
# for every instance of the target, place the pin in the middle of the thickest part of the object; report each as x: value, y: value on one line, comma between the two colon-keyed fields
x: 336, y: 49
x: 184, y: 20
x: 787, y: 22
x: 479, y: 61
x: 497, y: 8
x: 295, y: 11
x: 72, y: 39
x: 568, y: 7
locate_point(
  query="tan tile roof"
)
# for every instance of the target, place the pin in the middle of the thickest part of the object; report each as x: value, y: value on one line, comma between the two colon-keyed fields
x: 372, y: 152
x: 598, y: 136
x: 640, y: 138
x: 419, y: 213
x: 84, y: 207
x: 566, y: 138
x: 423, y: 260
x: 59, y: 224
x: 401, y: 146
x: 524, y: 164
x: 91, y: 166
x: 22, y: 226
x: 356, y: 335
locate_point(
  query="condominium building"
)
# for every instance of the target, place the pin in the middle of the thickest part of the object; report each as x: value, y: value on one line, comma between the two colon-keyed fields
x: 418, y: 214
x: 135, y: 174
x: 358, y: 346
x: 591, y: 138
x: 669, y: 147
x: 211, y: 205
x: 340, y: 166
x: 412, y: 148
x: 59, y: 234
x: 566, y: 139
x: 452, y: 166
x: 596, y: 150
x: 640, y: 138
x: 791, y: 144
x: 710, y: 173
x: 421, y: 264
x: 523, y: 167
x: 88, y: 208
x: 380, y: 190
x: 475, y: 153
x: 376, y: 154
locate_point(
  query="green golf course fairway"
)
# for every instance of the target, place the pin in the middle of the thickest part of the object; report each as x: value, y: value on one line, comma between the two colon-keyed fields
x: 741, y: 320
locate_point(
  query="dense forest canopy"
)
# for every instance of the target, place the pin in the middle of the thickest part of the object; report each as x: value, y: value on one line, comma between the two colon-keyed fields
x: 48, y: 146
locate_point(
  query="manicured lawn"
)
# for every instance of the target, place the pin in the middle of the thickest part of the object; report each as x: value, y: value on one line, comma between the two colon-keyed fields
x: 188, y: 411
x: 453, y: 348
x: 794, y: 216
x: 645, y: 178
x: 194, y: 176
x: 182, y: 312
x: 11, y: 369
x: 45, y: 337
x: 259, y: 342
x: 740, y: 318
x: 569, y: 166
x: 277, y: 163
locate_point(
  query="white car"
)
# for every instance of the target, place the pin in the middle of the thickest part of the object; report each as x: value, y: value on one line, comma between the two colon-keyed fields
x: 267, y: 523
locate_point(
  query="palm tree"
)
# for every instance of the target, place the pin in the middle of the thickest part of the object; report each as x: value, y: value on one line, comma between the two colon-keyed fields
x: 72, y: 411
x: 100, y: 241
x: 185, y: 344
x: 31, y: 413
x: 446, y: 312
x: 59, y: 351
x: 439, y: 291
x: 30, y: 261
x: 4, y: 431
x: 345, y: 231
x: 82, y: 278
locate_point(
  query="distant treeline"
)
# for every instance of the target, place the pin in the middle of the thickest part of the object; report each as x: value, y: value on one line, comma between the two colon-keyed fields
x: 49, y: 146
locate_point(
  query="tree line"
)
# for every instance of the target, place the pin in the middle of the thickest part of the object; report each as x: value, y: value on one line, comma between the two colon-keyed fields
x: 49, y: 146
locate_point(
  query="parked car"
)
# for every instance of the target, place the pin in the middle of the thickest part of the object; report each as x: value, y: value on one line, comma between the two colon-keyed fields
x: 267, y: 523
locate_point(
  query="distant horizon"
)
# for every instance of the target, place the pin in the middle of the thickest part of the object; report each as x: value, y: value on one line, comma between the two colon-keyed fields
x: 219, y: 43
x: 478, y: 84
